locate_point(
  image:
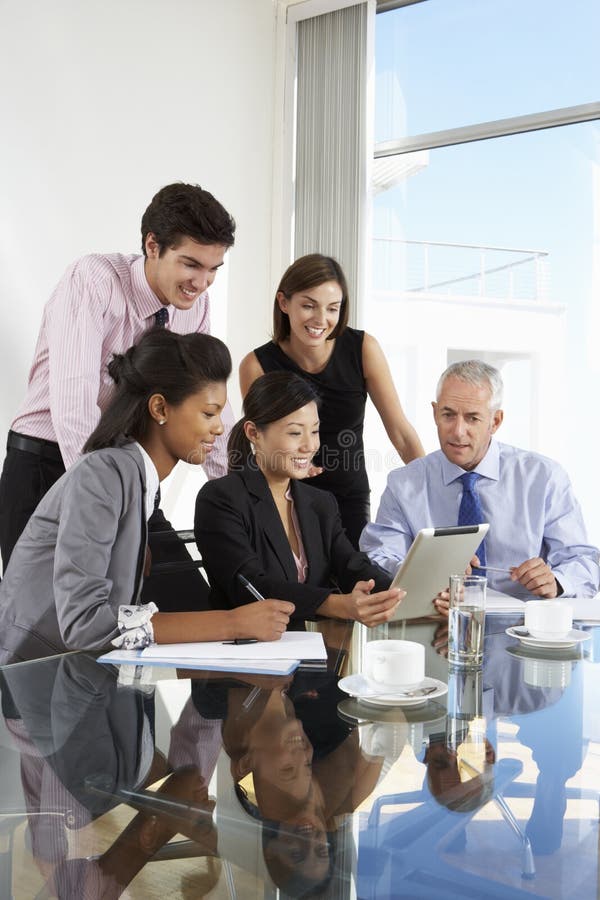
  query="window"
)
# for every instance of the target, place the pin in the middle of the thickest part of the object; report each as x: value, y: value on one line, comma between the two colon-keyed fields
x: 445, y: 64
x: 491, y: 248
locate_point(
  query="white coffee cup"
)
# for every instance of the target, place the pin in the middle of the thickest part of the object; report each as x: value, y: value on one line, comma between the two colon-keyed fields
x: 395, y: 664
x: 547, y: 673
x: 384, y: 739
x: 548, y: 620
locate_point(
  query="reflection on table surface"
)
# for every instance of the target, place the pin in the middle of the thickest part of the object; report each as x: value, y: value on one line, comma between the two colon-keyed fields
x: 116, y: 781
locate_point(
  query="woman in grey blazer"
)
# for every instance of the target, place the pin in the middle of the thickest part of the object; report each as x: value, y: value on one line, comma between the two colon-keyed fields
x: 74, y: 579
x: 285, y: 537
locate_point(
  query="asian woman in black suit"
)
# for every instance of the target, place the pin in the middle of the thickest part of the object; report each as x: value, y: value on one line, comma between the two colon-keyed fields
x: 283, y: 536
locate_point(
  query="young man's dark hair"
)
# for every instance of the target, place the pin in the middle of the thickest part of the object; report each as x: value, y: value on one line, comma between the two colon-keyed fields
x: 186, y: 210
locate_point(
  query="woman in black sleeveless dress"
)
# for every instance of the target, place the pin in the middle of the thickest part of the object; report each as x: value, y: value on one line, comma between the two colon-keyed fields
x: 311, y: 338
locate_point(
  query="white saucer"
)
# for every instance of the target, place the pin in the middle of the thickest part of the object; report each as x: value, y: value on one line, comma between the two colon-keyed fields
x: 571, y: 653
x: 360, y: 687
x: 352, y: 710
x: 573, y: 637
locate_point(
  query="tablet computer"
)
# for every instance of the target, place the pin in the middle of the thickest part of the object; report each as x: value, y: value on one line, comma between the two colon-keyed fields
x: 434, y: 555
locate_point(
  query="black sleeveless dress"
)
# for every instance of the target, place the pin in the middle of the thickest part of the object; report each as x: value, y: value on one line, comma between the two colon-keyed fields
x: 343, y: 392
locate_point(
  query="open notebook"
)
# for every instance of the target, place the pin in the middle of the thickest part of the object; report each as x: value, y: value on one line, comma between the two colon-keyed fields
x: 242, y: 667
x: 269, y: 657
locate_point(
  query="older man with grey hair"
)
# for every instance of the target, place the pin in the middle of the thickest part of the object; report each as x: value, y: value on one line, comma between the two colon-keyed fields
x: 537, y: 535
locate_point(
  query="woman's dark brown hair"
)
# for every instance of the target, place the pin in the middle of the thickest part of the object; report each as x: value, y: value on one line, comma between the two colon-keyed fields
x: 162, y: 362
x: 270, y: 398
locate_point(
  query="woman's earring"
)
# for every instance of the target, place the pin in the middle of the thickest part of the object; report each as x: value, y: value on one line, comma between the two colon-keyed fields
x: 162, y: 421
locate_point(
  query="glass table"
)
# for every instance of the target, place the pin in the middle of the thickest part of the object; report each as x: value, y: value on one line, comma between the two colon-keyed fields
x: 146, y: 782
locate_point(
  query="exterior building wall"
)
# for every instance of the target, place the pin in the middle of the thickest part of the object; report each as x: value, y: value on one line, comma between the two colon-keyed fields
x: 423, y: 333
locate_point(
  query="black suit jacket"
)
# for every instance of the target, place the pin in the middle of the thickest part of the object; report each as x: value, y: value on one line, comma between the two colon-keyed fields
x: 239, y: 530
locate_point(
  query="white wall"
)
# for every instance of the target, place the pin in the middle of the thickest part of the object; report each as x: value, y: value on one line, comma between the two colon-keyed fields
x: 101, y: 105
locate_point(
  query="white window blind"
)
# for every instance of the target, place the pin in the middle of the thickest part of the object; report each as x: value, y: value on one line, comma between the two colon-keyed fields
x: 332, y: 141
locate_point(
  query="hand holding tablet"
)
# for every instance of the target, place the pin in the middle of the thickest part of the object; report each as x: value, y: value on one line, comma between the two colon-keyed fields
x: 435, y: 554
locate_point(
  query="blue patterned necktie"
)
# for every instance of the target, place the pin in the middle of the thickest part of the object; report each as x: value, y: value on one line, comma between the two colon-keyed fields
x: 470, y: 512
x: 161, y: 317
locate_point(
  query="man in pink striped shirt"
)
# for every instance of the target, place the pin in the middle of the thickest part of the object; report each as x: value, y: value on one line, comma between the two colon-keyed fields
x: 102, y: 305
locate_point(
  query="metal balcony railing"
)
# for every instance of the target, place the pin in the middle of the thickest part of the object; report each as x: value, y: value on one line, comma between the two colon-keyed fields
x: 460, y: 270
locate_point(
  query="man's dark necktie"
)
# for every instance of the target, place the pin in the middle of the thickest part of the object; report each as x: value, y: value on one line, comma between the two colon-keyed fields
x: 470, y: 512
x: 161, y: 317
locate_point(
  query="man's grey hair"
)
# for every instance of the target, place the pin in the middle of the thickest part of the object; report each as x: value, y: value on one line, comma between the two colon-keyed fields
x: 475, y: 371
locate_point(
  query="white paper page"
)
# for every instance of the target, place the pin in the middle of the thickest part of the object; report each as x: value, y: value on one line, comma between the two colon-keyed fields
x: 497, y: 602
x: 585, y: 609
x: 261, y: 666
x: 292, y: 645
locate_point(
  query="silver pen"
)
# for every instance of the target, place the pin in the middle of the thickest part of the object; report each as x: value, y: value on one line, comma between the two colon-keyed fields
x: 494, y: 569
x: 250, y: 587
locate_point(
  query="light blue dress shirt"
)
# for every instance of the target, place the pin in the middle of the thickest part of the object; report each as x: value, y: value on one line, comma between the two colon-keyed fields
x: 527, y: 499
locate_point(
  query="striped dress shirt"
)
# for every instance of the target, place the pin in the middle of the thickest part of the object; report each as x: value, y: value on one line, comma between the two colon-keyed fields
x: 101, y: 306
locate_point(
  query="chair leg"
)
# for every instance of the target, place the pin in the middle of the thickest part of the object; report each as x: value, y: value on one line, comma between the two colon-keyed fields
x: 229, y: 880
x: 528, y: 861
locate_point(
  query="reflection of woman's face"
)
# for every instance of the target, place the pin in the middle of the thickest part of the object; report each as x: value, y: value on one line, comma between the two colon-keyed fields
x: 282, y: 765
x: 281, y: 759
x: 301, y: 844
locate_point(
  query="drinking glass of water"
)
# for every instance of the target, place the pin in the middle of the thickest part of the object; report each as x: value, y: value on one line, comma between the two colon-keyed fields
x: 465, y: 620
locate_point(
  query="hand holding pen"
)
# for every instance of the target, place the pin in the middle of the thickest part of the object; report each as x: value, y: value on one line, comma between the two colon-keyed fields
x: 257, y: 596
x: 265, y: 620
x: 475, y: 564
x: 534, y: 574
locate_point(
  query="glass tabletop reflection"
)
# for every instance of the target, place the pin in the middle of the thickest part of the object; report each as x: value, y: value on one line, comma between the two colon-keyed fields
x: 146, y: 782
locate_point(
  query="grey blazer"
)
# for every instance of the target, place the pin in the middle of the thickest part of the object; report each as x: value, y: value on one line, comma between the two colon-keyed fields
x: 79, y: 558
